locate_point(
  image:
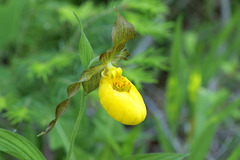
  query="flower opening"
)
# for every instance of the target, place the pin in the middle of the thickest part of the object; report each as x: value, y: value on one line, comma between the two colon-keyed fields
x: 120, y: 98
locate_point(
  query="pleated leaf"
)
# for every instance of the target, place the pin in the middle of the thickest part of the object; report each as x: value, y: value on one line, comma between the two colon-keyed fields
x: 18, y: 146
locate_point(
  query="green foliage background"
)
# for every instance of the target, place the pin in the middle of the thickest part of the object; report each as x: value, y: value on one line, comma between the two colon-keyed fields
x: 185, y: 61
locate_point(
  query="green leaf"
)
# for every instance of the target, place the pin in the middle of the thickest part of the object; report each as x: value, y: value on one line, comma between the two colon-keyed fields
x: 94, y: 62
x: 157, y: 156
x: 176, y: 83
x: 10, y: 16
x: 221, y: 39
x: 122, y: 31
x: 202, y: 143
x: 85, y: 48
x: 235, y: 153
x: 108, y: 136
x: 163, y: 139
x: 18, y: 146
x: 129, y: 144
x: 226, y: 112
x: 106, y: 153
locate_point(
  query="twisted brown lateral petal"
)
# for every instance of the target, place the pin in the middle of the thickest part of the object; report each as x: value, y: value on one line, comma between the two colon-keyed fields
x: 72, y: 89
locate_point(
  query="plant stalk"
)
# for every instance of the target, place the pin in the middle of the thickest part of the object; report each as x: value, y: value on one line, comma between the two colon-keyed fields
x: 76, y: 126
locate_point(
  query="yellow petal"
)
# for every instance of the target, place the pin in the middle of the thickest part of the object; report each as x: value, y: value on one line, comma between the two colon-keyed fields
x: 120, y: 98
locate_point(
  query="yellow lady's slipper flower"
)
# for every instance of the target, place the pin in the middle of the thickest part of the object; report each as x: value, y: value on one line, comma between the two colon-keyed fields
x: 120, y: 98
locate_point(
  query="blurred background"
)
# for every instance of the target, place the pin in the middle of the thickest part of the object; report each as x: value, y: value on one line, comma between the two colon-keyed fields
x: 185, y: 61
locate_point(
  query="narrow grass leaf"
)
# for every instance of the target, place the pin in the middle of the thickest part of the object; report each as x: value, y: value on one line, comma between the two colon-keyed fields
x: 202, y: 143
x: 176, y: 83
x: 162, y: 137
x: 226, y: 112
x: 235, y: 153
x: 128, y: 145
x: 157, y: 156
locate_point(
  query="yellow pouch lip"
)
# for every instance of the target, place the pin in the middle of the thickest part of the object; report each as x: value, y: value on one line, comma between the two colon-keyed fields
x: 125, y: 107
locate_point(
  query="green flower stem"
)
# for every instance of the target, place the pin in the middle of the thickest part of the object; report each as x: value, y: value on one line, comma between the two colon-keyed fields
x: 75, y: 129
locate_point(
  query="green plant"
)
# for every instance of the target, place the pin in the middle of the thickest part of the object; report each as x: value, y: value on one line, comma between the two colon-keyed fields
x: 184, y: 61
